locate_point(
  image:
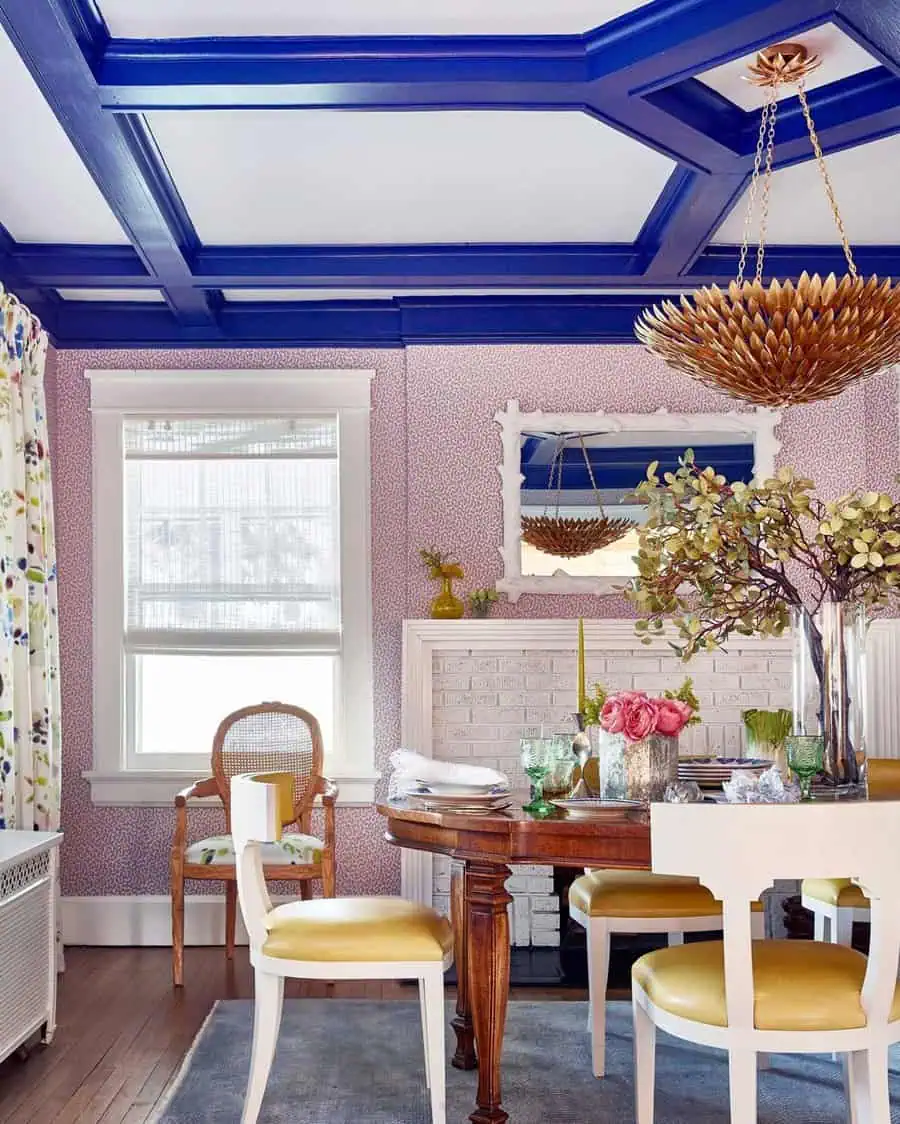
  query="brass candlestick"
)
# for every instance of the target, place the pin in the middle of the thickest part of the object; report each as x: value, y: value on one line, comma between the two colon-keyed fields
x: 581, y: 747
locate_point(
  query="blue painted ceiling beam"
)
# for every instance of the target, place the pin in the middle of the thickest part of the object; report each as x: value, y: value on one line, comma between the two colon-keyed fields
x: 508, y: 264
x: 634, y: 74
x: 76, y: 266
x: 660, y: 261
x: 854, y: 111
x: 670, y: 40
x: 52, y: 50
x: 718, y: 263
x: 651, y: 47
x: 687, y: 214
x: 397, y: 323
x: 875, y: 26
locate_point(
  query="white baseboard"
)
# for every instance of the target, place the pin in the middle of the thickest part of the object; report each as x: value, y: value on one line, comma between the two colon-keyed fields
x: 145, y: 920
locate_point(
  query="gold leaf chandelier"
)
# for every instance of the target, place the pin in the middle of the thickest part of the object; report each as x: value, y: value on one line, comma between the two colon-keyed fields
x: 787, y: 343
x: 564, y: 537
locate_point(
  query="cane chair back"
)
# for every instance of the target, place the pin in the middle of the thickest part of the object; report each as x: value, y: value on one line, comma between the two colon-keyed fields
x: 270, y: 737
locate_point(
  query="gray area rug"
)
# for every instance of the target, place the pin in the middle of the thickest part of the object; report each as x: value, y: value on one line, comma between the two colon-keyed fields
x: 361, y: 1062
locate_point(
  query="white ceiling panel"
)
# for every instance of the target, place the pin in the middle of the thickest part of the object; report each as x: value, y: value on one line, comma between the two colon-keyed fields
x: 46, y: 194
x: 866, y: 192
x: 168, y: 19
x: 294, y: 177
x: 268, y: 295
x: 145, y: 296
x: 841, y: 56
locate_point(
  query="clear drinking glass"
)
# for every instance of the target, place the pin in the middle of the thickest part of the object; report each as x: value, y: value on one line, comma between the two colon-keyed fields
x: 805, y: 757
x: 537, y: 758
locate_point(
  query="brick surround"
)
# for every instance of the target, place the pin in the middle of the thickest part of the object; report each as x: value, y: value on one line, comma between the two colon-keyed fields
x: 473, y: 689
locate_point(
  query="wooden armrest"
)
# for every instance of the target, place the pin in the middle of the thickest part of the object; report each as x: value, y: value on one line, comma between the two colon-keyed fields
x: 208, y: 787
x: 328, y: 790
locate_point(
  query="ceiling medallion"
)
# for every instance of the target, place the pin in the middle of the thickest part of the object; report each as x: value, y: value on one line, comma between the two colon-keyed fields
x: 788, y: 342
x: 565, y: 537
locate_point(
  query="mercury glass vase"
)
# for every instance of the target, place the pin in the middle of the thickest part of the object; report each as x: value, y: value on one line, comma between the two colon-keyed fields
x: 640, y: 770
x: 829, y: 686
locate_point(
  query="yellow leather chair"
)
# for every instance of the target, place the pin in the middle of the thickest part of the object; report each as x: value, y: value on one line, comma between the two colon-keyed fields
x: 836, y: 903
x: 328, y: 938
x: 775, y: 996
x: 636, y: 901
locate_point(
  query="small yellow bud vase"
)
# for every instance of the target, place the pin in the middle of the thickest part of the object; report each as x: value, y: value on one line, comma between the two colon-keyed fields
x: 447, y: 606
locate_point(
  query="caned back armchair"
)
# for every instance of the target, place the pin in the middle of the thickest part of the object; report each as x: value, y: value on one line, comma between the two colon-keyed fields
x: 265, y: 738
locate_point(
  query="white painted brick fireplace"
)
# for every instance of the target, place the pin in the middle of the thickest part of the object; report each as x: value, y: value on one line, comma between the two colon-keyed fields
x: 472, y: 689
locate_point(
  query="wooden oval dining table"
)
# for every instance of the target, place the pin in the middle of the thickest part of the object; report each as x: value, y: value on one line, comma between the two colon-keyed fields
x: 487, y: 845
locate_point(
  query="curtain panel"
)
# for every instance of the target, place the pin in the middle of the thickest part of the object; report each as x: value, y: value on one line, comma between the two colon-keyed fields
x: 29, y: 639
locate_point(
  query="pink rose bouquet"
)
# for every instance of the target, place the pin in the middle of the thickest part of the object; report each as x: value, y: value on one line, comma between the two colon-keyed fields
x: 636, y: 715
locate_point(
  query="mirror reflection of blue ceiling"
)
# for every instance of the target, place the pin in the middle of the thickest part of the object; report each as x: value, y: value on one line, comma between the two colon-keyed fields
x: 643, y: 143
x: 620, y: 469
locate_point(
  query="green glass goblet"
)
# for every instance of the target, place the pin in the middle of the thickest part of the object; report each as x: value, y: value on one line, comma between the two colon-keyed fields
x: 537, y: 758
x: 805, y: 757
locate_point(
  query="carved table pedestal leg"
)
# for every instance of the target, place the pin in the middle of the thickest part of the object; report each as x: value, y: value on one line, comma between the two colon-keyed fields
x: 488, y: 964
x: 464, y: 1058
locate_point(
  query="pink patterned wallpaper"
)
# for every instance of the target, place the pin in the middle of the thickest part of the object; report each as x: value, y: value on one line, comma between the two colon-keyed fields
x: 435, y: 449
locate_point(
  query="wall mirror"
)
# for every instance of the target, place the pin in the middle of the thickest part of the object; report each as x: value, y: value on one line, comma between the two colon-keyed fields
x: 569, y: 515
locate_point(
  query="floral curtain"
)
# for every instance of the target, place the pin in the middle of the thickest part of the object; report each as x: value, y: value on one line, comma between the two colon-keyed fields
x: 29, y: 643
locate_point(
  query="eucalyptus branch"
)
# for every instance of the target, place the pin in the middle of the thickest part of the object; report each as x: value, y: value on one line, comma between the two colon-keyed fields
x: 747, y: 554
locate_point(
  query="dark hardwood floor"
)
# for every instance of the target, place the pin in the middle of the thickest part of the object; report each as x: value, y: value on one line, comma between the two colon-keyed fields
x: 122, y: 1031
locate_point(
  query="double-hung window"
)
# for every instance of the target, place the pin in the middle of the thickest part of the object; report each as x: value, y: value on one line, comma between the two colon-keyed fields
x: 231, y: 567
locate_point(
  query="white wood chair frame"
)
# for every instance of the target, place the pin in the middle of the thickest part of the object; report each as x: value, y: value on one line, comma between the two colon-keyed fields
x: 600, y: 929
x: 253, y: 821
x: 834, y: 923
x: 737, y: 851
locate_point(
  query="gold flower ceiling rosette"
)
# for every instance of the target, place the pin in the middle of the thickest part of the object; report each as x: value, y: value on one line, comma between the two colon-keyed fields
x: 785, y: 343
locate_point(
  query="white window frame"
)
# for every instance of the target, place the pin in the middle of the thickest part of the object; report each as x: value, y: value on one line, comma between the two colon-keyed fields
x: 118, y: 394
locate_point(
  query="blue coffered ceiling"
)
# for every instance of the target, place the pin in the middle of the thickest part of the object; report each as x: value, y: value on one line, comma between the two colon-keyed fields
x: 380, y: 176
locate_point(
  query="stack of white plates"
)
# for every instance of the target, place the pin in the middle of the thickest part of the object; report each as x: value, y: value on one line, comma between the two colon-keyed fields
x: 435, y: 796
x: 710, y: 772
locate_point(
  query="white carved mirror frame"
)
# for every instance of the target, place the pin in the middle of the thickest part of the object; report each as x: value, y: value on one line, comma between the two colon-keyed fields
x: 759, y: 424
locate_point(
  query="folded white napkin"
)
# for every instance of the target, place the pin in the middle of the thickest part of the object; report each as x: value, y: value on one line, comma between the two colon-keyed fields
x: 410, y: 767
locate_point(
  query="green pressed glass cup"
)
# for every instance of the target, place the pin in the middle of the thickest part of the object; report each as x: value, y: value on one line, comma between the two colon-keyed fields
x: 805, y: 757
x: 537, y: 758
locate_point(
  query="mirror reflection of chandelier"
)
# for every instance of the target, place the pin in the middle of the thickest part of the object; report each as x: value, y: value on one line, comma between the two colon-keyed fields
x: 565, y: 537
x: 787, y: 343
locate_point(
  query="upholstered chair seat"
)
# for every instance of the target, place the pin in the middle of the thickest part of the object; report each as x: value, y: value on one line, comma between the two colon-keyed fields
x: 293, y: 849
x: 377, y: 938
x: 757, y: 998
x: 640, y: 893
x: 839, y: 892
x: 797, y: 985
x: 636, y: 901
x: 268, y: 736
x: 836, y: 903
x: 357, y: 930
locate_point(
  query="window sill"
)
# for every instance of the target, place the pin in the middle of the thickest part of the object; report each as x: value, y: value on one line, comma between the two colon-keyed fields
x: 158, y: 789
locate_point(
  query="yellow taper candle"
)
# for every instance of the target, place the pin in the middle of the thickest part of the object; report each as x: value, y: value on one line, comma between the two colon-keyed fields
x: 582, y: 697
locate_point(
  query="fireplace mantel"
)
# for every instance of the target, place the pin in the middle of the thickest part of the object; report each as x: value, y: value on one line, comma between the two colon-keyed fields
x: 555, y: 641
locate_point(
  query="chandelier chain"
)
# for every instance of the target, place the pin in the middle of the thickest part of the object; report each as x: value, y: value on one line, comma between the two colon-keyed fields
x: 754, y: 186
x: 767, y: 185
x: 826, y: 179
x: 751, y: 195
x: 587, y: 461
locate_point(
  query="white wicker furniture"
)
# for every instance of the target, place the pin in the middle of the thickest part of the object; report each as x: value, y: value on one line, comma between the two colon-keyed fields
x: 328, y: 939
x: 28, y: 868
x: 776, y: 996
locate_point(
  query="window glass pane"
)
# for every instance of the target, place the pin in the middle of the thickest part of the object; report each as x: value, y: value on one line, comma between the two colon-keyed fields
x: 181, y: 699
x: 231, y: 542
x: 229, y: 437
